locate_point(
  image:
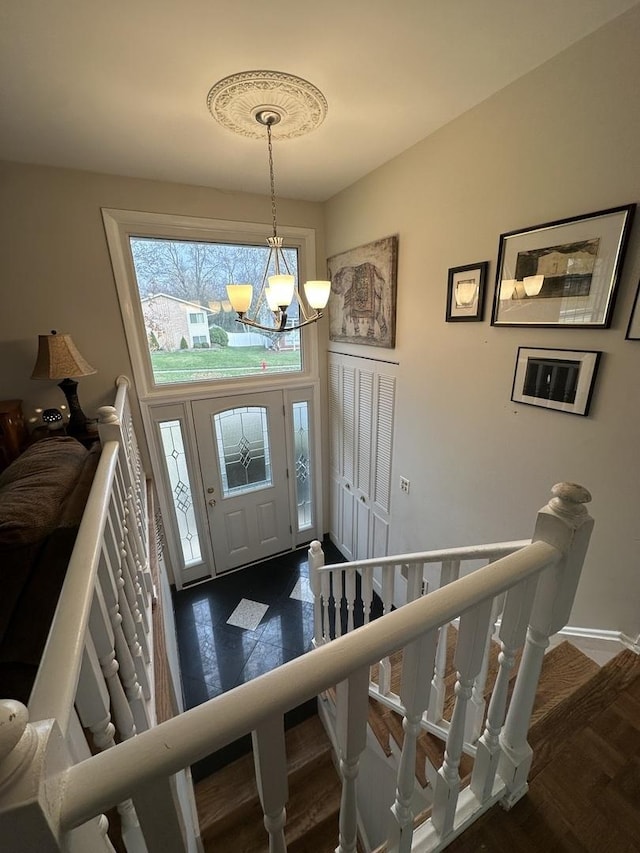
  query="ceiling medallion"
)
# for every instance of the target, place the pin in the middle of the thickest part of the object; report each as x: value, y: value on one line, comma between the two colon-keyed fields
x: 238, y: 100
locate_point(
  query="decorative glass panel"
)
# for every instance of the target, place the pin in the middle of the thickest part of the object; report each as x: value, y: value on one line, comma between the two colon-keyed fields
x: 242, y: 436
x: 176, y: 462
x: 303, y: 464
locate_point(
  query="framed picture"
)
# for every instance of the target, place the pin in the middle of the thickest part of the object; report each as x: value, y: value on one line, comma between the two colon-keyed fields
x: 555, y: 378
x: 633, y: 329
x: 465, y: 292
x: 563, y: 273
x: 362, y: 304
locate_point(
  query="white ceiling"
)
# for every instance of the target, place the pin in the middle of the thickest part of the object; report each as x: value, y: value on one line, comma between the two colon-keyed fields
x: 120, y: 86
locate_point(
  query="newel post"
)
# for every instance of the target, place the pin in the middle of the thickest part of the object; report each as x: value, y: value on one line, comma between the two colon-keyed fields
x: 565, y: 524
x: 33, y: 758
x: 316, y: 561
x: 109, y: 426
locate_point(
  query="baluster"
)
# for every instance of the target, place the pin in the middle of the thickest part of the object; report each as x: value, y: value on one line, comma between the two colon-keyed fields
x: 468, y: 660
x: 511, y: 633
x: 127, y: 564
x: 436, y: 696
x: 449, y: 571
x: 113, y: 566
x: 337, y: 579
x: 366, y: 590
x: 564, y: 523
x: 417, y: 665
x: 350, y: 595
x: 128, y: 673
x: 477, y: 705
x: 325, y: 591
x: 384, y: 676
x: 101, y: 632
x: 270, y: 761
x: 92, y: 704
x: 316, y: 561
x: 352, y: 709
x: 414, y: 581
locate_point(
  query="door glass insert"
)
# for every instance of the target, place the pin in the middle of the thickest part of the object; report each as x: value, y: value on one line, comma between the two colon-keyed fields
x: 242, y: 437
x: 176, y: 462
x: 302, y: 464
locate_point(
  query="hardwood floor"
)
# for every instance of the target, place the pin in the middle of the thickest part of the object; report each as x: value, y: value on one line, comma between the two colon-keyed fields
x: 584, y: 786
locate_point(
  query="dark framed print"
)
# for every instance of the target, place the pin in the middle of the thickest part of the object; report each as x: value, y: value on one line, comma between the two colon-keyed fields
x: 633, y: 329
x: 555, y: 378
x: 562, y: 273
x: 362, y: 303
x: 465, y: 292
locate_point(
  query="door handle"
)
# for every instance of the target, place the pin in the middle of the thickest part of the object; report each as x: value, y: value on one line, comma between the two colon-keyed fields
x: 362, y: 498
x: 212, y: 502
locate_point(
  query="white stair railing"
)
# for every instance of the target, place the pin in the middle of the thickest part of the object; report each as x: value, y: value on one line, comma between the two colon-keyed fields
x: 48, y: 795
x: 96, y: 669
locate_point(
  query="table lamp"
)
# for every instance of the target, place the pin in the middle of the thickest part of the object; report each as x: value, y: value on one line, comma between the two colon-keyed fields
x: 58, y: 358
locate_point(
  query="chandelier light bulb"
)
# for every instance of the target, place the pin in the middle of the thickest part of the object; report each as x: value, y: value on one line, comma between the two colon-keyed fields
x: 240, y: 296
x: 317, y: 293
x: 281, y: 287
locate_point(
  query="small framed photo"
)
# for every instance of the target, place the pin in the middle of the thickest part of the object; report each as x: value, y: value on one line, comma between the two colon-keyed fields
x: 562, y: 273
x: 633, y: 329
x: 555, y: 378
x: 465, y: 292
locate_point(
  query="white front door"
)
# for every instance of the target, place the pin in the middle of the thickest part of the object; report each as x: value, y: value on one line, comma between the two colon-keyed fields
x: 242, y: 449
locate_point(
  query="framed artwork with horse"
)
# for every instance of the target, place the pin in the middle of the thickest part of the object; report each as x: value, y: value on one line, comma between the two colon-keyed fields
x: 362, y: 305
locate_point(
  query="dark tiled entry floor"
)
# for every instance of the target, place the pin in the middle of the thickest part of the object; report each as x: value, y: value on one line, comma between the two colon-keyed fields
x: 216, y: 656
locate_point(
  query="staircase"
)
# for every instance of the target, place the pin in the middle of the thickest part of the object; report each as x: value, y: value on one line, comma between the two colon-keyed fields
x: 581, y: 711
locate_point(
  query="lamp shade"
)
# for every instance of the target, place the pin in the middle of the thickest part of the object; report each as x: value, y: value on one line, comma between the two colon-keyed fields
x: 58, y: 358
x: 281, y: 287
x: 317, y: 293
x: 240, y: 296
x: 271, y: 299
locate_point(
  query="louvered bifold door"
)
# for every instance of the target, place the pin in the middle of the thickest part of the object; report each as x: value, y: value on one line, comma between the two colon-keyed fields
x: 364, y: 463
x: 384, y: 406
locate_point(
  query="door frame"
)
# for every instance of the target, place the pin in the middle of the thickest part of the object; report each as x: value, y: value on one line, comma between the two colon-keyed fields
x: 154, y: 413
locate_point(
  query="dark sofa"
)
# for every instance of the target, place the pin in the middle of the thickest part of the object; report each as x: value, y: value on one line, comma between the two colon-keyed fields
x: 42, y: 497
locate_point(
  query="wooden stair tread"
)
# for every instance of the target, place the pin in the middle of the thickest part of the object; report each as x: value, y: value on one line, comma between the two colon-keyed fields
x: 564, y: 670
x: 583, y: 780
x: 229, y: 809
x: 577, y: 709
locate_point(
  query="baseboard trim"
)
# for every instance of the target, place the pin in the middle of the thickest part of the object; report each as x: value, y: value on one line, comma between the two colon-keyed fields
x: 603, y: 636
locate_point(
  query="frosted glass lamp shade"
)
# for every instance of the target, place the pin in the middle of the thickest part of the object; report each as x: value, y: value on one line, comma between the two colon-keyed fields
x: 240, y: 296
x: 533, y: 284
x: 317, y: 293
x: 281, y: 287
x: 271, y: 299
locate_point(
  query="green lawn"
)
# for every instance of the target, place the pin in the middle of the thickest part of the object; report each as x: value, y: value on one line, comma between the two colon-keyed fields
x: 195, y: 365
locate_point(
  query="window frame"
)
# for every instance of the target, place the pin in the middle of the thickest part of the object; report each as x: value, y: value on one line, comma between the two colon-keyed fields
x: 121, y: 225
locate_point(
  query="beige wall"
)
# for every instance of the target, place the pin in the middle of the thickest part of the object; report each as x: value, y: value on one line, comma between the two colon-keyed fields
x: 56, y: 271
x: 563, y: 141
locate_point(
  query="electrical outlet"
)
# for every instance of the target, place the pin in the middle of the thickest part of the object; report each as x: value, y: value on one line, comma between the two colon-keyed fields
x: 404, y: 485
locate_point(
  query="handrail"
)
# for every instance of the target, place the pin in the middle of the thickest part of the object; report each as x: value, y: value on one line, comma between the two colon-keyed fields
x: 94, y: 785
x: 54, y: 690
x: 122, y: 384
x: 469, y: 552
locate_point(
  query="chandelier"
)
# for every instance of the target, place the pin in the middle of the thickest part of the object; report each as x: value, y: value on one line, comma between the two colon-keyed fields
x: 300, y: 107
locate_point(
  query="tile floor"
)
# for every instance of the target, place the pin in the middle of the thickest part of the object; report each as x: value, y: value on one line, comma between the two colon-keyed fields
x: 244, y: 624
x: 241, y: 625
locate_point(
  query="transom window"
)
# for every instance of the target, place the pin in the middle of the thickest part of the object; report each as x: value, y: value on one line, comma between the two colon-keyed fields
x: 190, y: 327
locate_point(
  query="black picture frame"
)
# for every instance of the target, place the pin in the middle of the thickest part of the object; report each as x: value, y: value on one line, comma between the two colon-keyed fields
x: 563, y: 273
x: 558, y: 379
x: 633, y: 329
x: 465, y: 292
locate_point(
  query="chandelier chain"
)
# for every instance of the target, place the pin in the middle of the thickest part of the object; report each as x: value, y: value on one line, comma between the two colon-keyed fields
x: 272, y: 181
